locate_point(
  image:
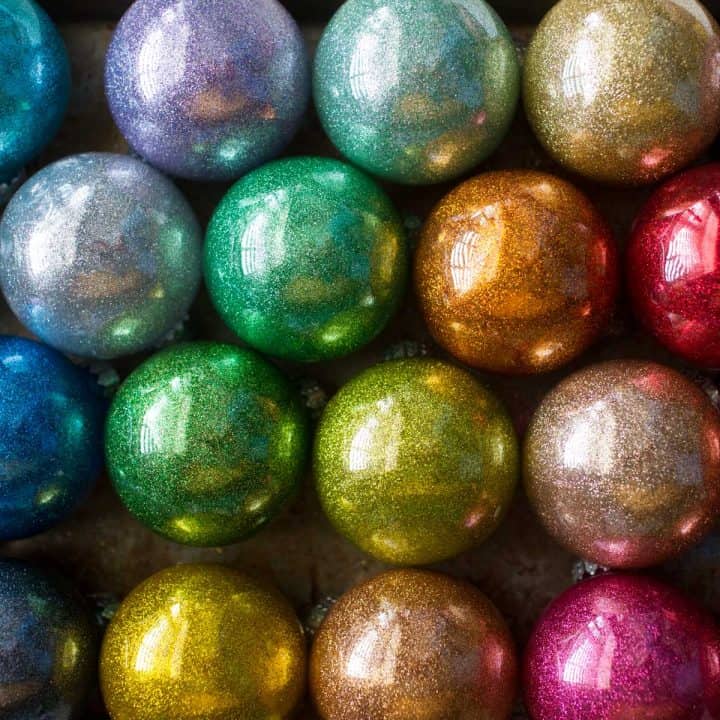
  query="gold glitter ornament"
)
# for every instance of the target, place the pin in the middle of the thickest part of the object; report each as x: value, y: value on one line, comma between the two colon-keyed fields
x: 516, y: 272
x: 413, y: 645
x: 624, y: 91
x: 202, y: 642
x: 415, y: 461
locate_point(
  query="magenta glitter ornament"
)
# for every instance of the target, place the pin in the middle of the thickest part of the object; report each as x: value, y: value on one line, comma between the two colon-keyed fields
x: 623, y: 647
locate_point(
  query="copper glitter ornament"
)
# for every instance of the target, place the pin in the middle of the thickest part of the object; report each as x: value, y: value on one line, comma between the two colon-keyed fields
x: 413, y: 645
x: 624, y: 91
x: 622, y: 463
x: 516, y: 272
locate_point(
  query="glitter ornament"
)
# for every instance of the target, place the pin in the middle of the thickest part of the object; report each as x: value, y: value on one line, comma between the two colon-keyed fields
x: 516, y: 272
x: 622, y: 463
x: 51, y: 437
x: 415, y: 461
x: 623, y: 646
x: 305, y: 259
x: 48, y: 646
x: 34, y: 84
x: 412, y: 644
x: 205, y: 443
x: 207, y: 89
x: 673, y: 268
x: 624, y: 91
x: 416, y: 91
x: 100, y: 255
x: 202, y: 641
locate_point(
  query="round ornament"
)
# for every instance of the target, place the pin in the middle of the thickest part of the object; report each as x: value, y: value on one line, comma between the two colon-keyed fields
x: 207, y: 89
x: 202, y: 641
x: 51, y: 437
x: 48, y: 646
x: 623, y: 646
x: 622, y: 463
x: 673, y: 269
x: 100, y: 255
x: 516, y: 272
x: 205, y: 443
x: 413, y: 644
x: 416, y: 91
x: 305, y: 259
x: 624, y: 91
x: 415, y: 461
x: 34, y: 85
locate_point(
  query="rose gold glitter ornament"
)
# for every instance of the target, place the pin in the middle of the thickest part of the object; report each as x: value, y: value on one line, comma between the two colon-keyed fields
x: 413, y: 645
x: 516, y: 272
x: 622, y: 463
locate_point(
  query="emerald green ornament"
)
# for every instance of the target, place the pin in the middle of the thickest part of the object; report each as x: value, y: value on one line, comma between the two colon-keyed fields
x: 415, y: 461
x: 305, y: 259
x: 205, y: 443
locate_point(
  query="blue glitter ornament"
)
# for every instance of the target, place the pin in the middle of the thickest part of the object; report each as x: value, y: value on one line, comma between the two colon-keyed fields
x: 34, y: 83
x: 207, y: 89
x: 51, y: 437
x: 48, y: 646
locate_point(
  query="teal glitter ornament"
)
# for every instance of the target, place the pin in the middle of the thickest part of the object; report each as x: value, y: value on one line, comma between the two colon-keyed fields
x: 205, y: 443
x: 306, y: 259
x: 416, y: 91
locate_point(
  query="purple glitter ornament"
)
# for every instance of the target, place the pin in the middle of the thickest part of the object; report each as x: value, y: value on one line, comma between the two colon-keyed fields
x: 207, y: 89
x: 623, y: 646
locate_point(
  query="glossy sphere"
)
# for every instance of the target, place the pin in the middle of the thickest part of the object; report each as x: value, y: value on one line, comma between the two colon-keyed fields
x: 202, y: 641
x: 622, y: 463
x: 413, y: 644
x: 305, y: 259
x: 100, y: 255
x: 207, y: 89
x: 51, y: 437
x: 415, y: 461
x: 205, y: 443
x: 624, y: 91
x: 416, y: 91
x: 674, y: 268
x: 623, y: 646
x: 516, y: 272
x: 48, y: 647
x: 34, y: 85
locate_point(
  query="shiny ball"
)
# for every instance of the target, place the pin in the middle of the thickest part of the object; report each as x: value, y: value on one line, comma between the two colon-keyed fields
x: 100, y: 255
x: 51, y: 436
x: 48, y: 646
x: 207, y: 90
x: 416, y: 91
x: 415, y: 461
x: 624, y: 91
x: 622, y: 463
x: 623, y: 646
x: 205, y: 443
x: 516, y: 272
x: 412, y: 644
x: 305, y: 259
x: 201, y: 642
x: 673, y: 267
x: 34, y: 84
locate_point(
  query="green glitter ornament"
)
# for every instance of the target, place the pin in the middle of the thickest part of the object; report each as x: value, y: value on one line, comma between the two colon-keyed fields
x: 205, y: 443
x: 416, y: 91
x: 415, y: 461
x: 305, y: 259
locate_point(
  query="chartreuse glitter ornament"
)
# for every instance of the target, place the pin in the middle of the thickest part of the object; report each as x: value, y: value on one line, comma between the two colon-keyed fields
x: 305, y: 259
x: 206, y: 443
x: 416, y: 91
x: 415, y: 461
x: 34, y: 83
x: 202, y: 642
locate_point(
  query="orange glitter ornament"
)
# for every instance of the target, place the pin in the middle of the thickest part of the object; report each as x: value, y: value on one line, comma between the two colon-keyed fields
x: 516, y: 272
